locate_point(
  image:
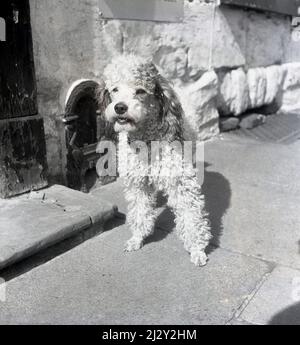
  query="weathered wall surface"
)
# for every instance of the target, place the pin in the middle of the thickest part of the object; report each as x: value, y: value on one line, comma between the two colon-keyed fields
x: 72, y: 42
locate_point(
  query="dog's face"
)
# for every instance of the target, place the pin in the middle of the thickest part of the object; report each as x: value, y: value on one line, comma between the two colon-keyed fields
x: 134, y: 97
x: 131, y: 106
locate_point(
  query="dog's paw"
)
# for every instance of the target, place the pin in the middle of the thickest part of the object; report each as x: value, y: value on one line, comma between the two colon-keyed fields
x: 133, y: 244
x: 199, y: 258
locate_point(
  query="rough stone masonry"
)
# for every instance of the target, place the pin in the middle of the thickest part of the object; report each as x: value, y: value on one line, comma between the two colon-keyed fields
x: 222, y: 60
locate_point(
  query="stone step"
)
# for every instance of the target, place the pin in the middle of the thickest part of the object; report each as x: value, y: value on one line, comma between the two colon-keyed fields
x: 40, y: 219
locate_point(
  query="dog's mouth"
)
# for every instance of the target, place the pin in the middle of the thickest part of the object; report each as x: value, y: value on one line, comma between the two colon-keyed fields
x: 123, y: 120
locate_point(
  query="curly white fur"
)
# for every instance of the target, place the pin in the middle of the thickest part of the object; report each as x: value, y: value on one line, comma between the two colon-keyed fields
x: 154, y: 114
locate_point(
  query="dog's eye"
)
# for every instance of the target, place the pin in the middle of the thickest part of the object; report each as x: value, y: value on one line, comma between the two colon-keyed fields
x: 115, y: 89
x: 140, y: 92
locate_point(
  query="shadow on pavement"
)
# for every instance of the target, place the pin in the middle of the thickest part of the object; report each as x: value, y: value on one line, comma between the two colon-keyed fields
x: 163, y: 226
x: 217, y: 192
x: 288, y: 316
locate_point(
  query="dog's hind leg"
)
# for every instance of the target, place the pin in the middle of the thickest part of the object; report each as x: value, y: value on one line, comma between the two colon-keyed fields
x: 141, y: 216
x: 192, y: 225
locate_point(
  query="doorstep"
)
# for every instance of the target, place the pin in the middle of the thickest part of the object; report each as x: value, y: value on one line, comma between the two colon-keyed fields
x: 33, y: 222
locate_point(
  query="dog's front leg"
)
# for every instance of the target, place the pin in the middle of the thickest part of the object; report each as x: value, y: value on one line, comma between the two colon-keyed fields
x: 140, y: 217
x: 192, y: 225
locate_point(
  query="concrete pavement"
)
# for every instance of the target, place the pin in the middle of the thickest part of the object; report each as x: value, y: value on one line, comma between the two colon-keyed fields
x: 253, y: 275
x: 35, y: 221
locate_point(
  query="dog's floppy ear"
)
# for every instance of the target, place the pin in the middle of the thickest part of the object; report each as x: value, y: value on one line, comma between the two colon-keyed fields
x: 102, y: 97
x: 171, y: 113
x: 103, y: 100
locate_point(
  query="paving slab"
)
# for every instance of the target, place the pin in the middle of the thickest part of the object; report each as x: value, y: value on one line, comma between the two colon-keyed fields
x: 73, y: 200
x: 252, y: 162
x: 277, y: 302
x: 254, y: 220
x: 34, y: 222
x: 97, y: 283
x: 252, y: 195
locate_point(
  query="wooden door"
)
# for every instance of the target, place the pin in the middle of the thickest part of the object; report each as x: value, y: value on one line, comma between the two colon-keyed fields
x: 22, y: 141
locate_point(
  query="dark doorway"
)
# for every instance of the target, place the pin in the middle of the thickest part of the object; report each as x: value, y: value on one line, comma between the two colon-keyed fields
x: 22, y: 142
x: 82, y: 132
x: 84, y: 128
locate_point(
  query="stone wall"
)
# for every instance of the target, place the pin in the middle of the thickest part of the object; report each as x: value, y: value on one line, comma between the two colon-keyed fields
x: 217, y: 59
x: 268, y: 90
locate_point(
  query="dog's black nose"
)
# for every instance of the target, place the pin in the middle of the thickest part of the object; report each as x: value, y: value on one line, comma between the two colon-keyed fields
x: 121, y: 108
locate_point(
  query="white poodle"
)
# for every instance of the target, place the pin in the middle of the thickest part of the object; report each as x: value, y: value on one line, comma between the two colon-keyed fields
x: 143, y: 109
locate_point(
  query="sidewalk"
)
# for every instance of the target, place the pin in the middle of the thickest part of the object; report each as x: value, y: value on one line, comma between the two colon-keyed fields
x: 253, y: 275
x: 35, y: 221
